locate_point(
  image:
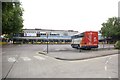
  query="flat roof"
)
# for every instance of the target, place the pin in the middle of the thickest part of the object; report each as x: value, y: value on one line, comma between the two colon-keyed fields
x: 42, y: 37
x: 51, y: 30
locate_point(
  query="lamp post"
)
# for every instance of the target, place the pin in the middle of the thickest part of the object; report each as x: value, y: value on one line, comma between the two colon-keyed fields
x: 108, y: 40
x: 103, y: 42
x: 47, y: 41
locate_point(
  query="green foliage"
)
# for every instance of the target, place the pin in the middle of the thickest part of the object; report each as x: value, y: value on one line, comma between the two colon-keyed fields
x: 12, y: 21
x: 111, y: 28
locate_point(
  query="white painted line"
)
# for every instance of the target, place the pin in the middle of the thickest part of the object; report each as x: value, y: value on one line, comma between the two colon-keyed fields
x: 105, y: 68
x: 26, y: 58
x: 11, y: 59
x: 38, y: 57
x: 106, y: 62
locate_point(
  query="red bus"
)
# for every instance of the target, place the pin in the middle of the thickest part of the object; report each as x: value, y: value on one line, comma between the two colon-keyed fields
x: 85, y: 40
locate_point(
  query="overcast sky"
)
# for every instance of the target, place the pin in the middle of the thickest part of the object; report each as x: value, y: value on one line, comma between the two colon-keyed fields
x: 79, y: 15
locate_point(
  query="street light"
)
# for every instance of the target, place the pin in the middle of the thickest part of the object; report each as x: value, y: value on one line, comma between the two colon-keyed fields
x: 47, y: 41
x: 109, y: 40
x: 104, y: 39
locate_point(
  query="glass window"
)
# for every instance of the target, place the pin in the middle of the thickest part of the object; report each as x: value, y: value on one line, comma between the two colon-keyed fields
x: 78, y: 36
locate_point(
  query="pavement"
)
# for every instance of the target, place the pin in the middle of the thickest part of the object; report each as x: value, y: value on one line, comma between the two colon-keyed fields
x: 0, y: 62
x: 23, y: 61
x: 70, y: 55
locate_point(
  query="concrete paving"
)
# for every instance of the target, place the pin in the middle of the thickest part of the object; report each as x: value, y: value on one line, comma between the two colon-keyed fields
x: 0, y: 62
x: 68, y: 55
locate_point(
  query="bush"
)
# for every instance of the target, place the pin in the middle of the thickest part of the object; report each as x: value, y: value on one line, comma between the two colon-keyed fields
x: 117, y: 45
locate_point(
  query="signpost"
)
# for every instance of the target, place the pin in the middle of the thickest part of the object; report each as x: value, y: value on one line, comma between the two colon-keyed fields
x: 47, y: 41
x: 109, y: 40
x: 103, y: 42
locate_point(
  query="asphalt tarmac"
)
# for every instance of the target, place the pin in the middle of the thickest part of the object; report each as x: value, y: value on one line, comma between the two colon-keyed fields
x: 23, y: 61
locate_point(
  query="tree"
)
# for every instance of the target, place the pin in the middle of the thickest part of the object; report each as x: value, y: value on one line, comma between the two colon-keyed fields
x: 12, y: 21
x: 111, y: 28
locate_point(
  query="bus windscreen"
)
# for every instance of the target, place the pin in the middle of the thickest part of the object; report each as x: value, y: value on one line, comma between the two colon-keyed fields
x: 78, y: 36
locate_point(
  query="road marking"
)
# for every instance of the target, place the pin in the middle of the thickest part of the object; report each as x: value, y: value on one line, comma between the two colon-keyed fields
x: 11, y: 59
x: 105, y: 68
x: 106, y: 62
x: 26, y: 58
x: 38, y: 57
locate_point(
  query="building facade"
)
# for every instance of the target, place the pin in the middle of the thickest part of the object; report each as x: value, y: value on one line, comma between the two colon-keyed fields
x: 44, y: 35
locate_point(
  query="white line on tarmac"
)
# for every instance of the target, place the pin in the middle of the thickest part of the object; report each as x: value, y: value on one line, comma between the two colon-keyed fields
x: 106, y: 62
x: 105, y: 68
x: 38, y: 57
x: 26, y: 58
x: 11, y: 59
